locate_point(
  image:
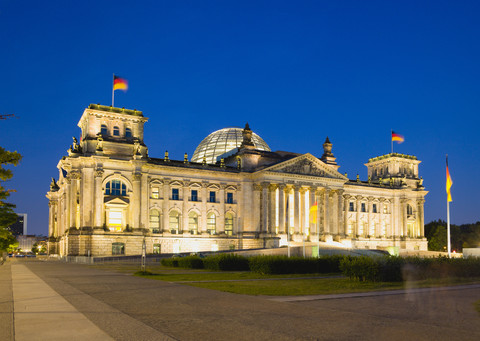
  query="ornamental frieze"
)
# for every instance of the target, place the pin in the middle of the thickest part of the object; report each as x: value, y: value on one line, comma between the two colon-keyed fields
x: 303, y: 167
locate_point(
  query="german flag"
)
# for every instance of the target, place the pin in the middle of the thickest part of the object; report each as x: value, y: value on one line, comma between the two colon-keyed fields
x: 448, y: 184
x: 119, y: 83
x: 313, y: 213
x: 397, y: 137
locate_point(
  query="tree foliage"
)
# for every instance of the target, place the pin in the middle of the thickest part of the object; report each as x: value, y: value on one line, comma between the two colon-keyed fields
x: 466, y: 235
x: 7, y: 216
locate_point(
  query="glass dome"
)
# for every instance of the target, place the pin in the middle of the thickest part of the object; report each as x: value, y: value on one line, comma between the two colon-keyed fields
x: 222, y: 141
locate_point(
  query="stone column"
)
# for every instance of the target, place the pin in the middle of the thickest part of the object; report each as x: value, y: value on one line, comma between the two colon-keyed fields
x: 166, y: 205
x: 144, y: 199
x: 302, y: 211
x: 51, y: 208
x: 221, y: 222
x: 346, y: 205
x: 281, y: 208
x: 358, y: 204
x: 369, y: 215
x: 296, y: 211
x: 264, y: 208
x: 88, y: 190
x: 135, y: 201
x: 327, y: 212
x: 320, y: 213
x: 272, y: 208
x: 334, y: 210
x: 421, y: 217
x: 257, y: 191
x: 98, y: 194
x: 404, y: 217
x: 68, y: 204
x: 203, y: 218
x: 185, y: 194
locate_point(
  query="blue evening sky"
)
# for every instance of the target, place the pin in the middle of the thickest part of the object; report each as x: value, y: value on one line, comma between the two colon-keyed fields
x: 297, y: 71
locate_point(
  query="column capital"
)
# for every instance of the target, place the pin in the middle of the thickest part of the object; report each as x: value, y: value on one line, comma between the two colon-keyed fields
x: 347, y: 196
x: 136, y: 176
x: 272, y: 187
x: 257, y: 187
x: 99, y: 172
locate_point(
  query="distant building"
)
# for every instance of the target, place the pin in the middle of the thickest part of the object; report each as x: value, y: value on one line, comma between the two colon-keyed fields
x: 25, y: 242
x: 235, y: 193
x: 19, y: 228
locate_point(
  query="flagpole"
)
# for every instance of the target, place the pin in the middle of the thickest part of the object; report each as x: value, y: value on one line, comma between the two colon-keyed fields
x: 113, y: 90
x: 449, y: 247
x: 391, y: 139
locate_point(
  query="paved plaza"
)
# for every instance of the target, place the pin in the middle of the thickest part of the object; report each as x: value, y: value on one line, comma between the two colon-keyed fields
x: 49, y: 300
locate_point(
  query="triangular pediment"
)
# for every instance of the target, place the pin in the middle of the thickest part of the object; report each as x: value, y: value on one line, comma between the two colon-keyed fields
x: 116, y: 201
x: 306, y: 164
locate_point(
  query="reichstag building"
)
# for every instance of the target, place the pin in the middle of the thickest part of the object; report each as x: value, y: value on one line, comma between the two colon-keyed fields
x: 234, y: 193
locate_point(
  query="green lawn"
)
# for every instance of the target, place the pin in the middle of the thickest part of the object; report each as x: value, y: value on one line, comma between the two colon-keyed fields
x: 477, y: 306
x: 289, y: 285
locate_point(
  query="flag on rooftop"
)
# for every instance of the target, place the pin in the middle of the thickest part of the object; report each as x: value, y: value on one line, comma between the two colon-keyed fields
x: 119, y: 83
x: 313, y: 213
x: 397, y: 137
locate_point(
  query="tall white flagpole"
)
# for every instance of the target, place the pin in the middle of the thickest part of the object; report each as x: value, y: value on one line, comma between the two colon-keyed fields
x: 391, y: 139
x: 449, y: 247
x: 113, y: 90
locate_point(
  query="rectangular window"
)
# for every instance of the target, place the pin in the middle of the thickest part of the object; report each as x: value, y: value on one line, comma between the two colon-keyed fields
x: 374, y: 208
x: 385, y: 209
x: 155, y: 193
x: 156, y: 249
x: 118, y: 249
x: 229, y: 198
x: 115, y: 219
x: 352, y: 207
x: 194, y: 196
x: 212, y: 197
x: 175, y: 195
x: 364, y: 207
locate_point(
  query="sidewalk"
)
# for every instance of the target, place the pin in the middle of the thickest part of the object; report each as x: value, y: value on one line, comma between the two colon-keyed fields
x: 42, y: 314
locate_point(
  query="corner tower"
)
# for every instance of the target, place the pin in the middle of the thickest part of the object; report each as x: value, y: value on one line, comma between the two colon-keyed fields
x: 111, y: 131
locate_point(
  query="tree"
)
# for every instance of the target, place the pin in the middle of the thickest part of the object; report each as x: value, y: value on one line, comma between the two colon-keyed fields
x: 7, y: 216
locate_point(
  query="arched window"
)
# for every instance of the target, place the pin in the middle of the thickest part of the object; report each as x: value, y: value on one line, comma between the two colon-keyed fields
x: 116, y: 131
x: 174, y: 222
x: 211, y: 223
x: 103, y: 130
x: 118, y: 248
x: 193, y: 222
x: 128, y: 132
x: 155, y: 221
x: 228, y: 224
x: 115, y: 187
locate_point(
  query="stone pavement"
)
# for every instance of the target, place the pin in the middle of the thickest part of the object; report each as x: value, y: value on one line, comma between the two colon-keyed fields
x: 122, y: 307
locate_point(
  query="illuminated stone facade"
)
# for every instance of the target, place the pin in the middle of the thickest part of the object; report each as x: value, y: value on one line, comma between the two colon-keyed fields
x: 111, y: 197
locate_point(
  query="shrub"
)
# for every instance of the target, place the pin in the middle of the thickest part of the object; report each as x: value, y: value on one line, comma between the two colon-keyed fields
x: 171, y: 262
x: 294, y: 265
x: 226, y: 262
x: 360, y: 268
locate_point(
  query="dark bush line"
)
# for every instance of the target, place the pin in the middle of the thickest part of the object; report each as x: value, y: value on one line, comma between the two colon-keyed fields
x: 259, y: 264
x: 397, y: 269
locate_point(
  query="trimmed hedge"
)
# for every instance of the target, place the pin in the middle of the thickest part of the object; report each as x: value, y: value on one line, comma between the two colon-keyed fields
x: 226, y: 262
x: 397, y: 269
x: 189, y: 262
x: 294, y: 265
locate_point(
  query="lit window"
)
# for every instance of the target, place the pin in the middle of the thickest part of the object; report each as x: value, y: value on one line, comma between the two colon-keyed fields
x: 372, y: 229
x: 351, y: 206
x: 128, y: 132
x: 374, y: 208
x: 174, y: 222
x: 175, y: 194
x: 116, y: 131
x: 212, y: 197
x: 118, y: 248
x: 155, y: 193
x: 364, y: 207
x: 155, y: 221
x: 228, y: 224
x: 229, y: 198
x: 156, y: 249
x: 115, y: 219
x: 193, y: 222
x: 385, y: 209
x: 115, y: 187
x: 211, y: 223
x: 194, y: 196
x: 350, y: 228
x: 103, y: 130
